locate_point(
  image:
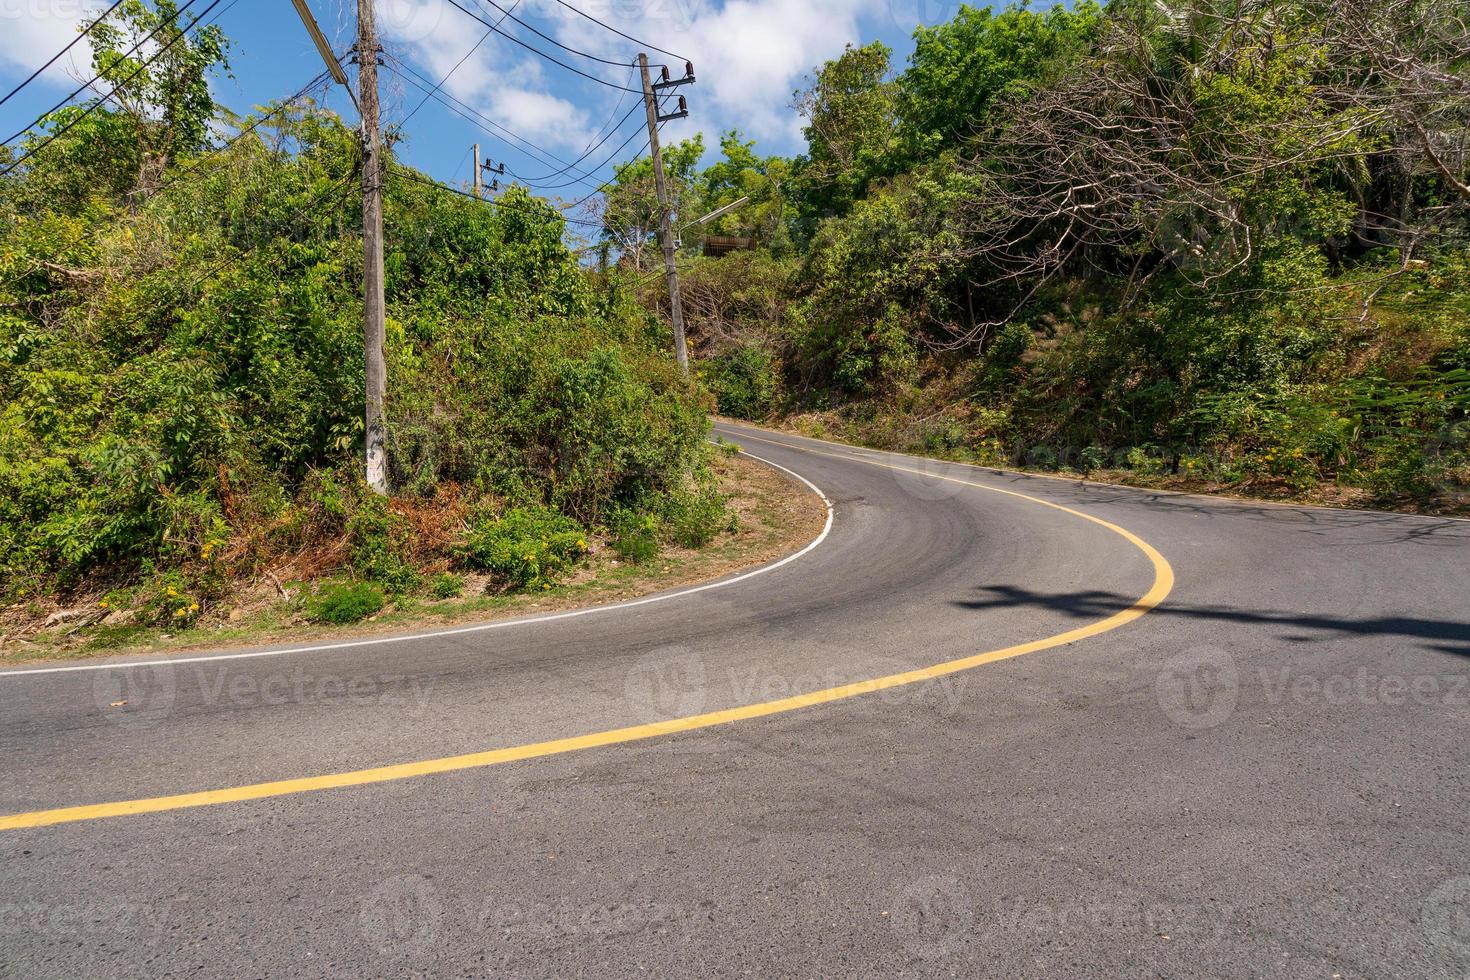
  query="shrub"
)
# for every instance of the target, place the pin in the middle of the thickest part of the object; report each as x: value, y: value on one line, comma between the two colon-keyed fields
x: 528, y: 547
x: 446, y: 585
x: 692, y: 518
x: 346, y: 602
x: 744, y: 382
x: 382, y: 545
x: 635, y: 536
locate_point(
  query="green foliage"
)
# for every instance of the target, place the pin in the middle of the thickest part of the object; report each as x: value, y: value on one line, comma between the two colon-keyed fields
x: 635, y: 536
x: 181, y: 355
x: 1171, y: 239
x: 693, y: 518
x: 850, y: 111
x: 446, y: 585
x: 528, y: 547
x: 961, y: 68
x: 744, y: 382
x: 382, y: 543
x: 341, y: 603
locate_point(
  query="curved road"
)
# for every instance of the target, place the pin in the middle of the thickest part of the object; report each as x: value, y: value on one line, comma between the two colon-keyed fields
x: 1116, y: 733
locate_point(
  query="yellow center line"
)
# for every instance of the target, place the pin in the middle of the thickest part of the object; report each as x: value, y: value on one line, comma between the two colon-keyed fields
x: 1163, y: 583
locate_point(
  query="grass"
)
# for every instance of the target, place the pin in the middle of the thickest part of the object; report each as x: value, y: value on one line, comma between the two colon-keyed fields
x: 775, y: 517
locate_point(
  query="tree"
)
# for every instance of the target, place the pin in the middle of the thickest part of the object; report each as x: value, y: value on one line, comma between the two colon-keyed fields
x: 167, y: 102
x: 960, y: 68
x: 630, y: 215
x: 850, y: 111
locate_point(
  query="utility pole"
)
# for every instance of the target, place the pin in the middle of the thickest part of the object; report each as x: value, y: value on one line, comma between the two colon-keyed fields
x: 665, y: 221
x: 478, y: 182
x: 375, y: 370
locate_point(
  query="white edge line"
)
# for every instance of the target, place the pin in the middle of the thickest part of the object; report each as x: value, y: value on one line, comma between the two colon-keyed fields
x: 479, y: 627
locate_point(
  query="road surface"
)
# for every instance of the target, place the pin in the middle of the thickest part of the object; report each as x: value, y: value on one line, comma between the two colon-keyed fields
x: 988, y: 725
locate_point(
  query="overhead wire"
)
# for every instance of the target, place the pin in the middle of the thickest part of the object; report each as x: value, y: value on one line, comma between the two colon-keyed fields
x: 535, y: 50
x: 73, y: 43
x: 651, y: 47
x: 285, y: 104
x: 547, y: 37
x: 471, y: 114
x: 416, y: 178
x: 591, y: 149
x: 457, y: 65
x: 97, y: 77
x: 103, y: 100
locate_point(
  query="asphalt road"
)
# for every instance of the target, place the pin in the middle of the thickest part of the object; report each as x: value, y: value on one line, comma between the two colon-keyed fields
x: 1264, y: 774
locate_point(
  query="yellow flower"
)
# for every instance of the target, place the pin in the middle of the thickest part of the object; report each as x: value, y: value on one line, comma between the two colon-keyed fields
x: 546, y: 585
x: 171, y: 590
x: 193, y: 607
x: 103, y: 603
x: 182, y: 612
x: 582, y: 544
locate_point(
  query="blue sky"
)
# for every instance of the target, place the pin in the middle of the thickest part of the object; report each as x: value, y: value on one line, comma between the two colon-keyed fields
x: 749, y: 55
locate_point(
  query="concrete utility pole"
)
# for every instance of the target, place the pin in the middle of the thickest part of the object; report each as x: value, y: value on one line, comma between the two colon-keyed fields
x: 375, y: 370
x: 665, y: 221
x: 478, y: 181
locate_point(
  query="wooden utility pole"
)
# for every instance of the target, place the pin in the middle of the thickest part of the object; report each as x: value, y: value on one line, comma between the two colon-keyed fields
x: 479, y: 183
x: 375, y: 371
x: 665, y: 220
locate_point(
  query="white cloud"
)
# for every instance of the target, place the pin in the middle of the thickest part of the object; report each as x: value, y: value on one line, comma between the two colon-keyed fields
x: 507, y: 87
x: 33, y: 30
x: 749, y: 56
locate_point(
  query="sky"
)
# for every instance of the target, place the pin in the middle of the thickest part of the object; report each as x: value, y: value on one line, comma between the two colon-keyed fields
x: 749, y: 55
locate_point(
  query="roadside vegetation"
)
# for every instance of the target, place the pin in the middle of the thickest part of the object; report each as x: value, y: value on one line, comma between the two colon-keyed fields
x: 1199, y: 244
x: 181, y: 374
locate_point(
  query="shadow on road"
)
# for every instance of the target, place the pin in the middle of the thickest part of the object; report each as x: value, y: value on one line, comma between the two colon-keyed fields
x: 1444, y: 636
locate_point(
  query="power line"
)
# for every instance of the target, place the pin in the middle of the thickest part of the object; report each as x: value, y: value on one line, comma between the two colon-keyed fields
x: 457, y: 65
x: 473, y: 115
x: 104, y: 99
x: 80, y: 34
x: 615, y: 154
x: 97, y: 77
x: 410, y: 175
x: 651, y: 47
x: 591, y: 149
x: 256, y: 124
x: 535, y: 50
x: 547, y: 37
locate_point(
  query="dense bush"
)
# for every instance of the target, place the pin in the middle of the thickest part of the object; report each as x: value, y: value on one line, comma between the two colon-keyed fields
x: 181, y: 377
x: 340, y: 603
x: 528, y: 547
x: 745, y: 382
x: 1258, y: 275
